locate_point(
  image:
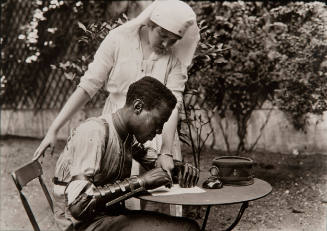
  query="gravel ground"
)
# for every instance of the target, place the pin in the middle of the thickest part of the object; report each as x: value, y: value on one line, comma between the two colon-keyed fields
x: 294, y: 204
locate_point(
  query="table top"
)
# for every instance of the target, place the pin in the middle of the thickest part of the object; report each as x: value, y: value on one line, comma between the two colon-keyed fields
x: 226, y: 195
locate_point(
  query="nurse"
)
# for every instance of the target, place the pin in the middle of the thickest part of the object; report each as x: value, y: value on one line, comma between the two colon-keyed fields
x: 159, y: 43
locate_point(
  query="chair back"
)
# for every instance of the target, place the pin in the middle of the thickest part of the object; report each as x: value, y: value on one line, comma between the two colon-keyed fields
x: 21, y: 177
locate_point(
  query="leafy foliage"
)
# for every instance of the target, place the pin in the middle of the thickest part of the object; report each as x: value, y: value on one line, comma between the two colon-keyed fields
x: 47, y: 36
x: 261, y: 52
x: 249, y: 52
x: 302, y: 50
x: 88, y: 42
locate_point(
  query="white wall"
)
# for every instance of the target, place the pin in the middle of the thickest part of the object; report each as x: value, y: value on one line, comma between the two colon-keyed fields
x: 28, y: 123
x: 278, y: 135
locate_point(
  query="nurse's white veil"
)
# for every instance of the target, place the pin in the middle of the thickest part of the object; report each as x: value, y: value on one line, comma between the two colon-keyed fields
x: 183, y: 49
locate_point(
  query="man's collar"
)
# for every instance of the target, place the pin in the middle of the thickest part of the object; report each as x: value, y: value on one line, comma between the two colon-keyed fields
x: 120, y: 126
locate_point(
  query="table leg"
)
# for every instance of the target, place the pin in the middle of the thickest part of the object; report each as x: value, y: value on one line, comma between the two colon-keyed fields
x: 232, y: 226
x: 239, y: 216
x: 206, y: 218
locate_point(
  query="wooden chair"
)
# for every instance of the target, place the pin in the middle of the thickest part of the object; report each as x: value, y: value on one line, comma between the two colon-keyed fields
x: 22, y: 176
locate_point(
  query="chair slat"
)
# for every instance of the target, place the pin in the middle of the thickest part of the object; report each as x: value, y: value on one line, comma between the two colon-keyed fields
x: 21, y: 177
x: 27, y: 172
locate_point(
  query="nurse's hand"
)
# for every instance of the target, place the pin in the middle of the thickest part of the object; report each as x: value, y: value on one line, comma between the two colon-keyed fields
x: 49, y: 141
x: 188, y: 176
x: 165, y: 161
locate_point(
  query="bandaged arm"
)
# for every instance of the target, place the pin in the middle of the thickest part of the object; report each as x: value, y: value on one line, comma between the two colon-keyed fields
x: 93, y: 199
x: 85, y: 198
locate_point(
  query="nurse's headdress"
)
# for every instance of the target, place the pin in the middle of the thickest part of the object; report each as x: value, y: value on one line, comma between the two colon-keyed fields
x: 176, y: 17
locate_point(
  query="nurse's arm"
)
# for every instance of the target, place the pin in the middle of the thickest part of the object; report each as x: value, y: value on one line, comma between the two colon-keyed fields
x: 76, y: 101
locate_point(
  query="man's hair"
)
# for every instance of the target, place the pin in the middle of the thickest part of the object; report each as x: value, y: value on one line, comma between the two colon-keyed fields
x: 152, y: 92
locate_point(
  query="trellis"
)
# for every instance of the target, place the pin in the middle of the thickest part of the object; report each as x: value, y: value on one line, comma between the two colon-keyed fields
x: 34, y: 86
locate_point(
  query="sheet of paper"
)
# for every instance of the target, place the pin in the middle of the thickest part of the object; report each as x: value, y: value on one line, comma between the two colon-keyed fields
x: 174, y: 190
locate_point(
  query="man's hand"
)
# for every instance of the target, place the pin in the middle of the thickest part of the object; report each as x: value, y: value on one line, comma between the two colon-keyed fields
x: 188, y: 176
x: 155, y: 178
x: 138, y: 150
x: 165, y: 162
x: 49, y: 141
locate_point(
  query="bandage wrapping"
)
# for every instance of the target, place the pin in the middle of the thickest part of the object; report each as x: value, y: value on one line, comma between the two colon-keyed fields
x: 86, y: 205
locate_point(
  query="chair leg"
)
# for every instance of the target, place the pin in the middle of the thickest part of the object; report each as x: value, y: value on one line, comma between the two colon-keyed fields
x: 29, y: 212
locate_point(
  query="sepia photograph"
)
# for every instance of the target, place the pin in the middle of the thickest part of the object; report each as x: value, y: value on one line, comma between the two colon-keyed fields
x: 163, y: 115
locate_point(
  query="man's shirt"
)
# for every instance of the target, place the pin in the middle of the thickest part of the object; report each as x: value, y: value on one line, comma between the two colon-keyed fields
x: 85, y: 154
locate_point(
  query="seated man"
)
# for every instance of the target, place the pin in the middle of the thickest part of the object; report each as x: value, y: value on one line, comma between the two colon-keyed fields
x: 92, y: 177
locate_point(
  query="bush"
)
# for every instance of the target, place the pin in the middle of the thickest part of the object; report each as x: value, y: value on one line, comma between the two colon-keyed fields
x: 300, y: 43
x: 251, y: 52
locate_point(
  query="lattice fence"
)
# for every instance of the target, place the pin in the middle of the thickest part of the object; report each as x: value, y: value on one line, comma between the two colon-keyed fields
x: 35, y: 85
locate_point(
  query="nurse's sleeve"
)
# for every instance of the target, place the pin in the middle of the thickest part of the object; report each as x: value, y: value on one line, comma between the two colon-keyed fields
x: 176, y: 81
x: 99, y: 69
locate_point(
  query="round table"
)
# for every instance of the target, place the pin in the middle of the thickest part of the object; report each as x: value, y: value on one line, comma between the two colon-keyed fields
x: 226, y: 195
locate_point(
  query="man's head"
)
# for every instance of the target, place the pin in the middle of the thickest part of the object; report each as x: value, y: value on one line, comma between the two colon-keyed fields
x: 151, y: 104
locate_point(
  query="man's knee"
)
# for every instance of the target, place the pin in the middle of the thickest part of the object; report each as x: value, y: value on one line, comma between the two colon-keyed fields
x: 146, y: 220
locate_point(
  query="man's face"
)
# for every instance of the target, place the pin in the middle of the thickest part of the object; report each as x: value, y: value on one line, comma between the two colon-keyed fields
x: 150, y: 123
x: 161, y: 40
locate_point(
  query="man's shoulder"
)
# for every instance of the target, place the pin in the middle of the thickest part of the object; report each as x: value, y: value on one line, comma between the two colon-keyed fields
x: 93, y: 124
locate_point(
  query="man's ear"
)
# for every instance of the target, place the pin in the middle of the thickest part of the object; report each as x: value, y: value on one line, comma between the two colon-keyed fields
x: 138, y: 105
